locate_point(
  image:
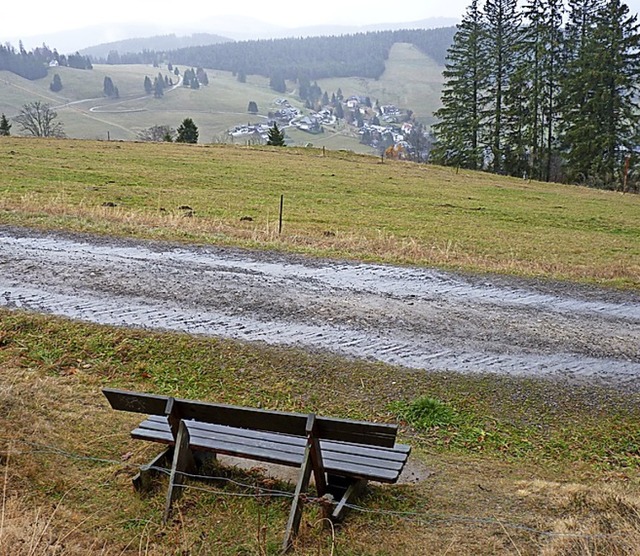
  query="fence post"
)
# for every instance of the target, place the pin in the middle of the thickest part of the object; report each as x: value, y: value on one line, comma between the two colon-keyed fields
x: 281, y: 210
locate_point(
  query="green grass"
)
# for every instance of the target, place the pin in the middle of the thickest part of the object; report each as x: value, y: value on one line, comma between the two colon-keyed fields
x: 503, y: 454
x: 337, y: 205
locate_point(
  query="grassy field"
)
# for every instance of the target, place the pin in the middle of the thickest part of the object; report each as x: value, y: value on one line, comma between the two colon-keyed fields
x: 522, y: 468
x: 506, y: 466
x: 338, y: 205
x: 411, y: 80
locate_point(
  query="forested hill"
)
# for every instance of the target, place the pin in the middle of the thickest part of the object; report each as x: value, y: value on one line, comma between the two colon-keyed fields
x: 360, y: 54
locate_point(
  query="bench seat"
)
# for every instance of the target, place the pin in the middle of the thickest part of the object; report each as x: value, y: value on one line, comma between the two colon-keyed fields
x: 340, y: 458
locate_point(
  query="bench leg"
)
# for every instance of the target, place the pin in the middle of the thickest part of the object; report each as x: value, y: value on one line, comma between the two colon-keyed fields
x: 142, y: 480
x: 183, y: 462
x: 351, y: 494
x: 295, y: 515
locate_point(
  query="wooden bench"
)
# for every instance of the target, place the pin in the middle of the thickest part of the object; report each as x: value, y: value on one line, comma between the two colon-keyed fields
x: 343, y: 455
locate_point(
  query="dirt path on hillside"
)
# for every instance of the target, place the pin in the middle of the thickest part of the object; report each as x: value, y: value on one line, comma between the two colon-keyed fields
x: 417, y: 318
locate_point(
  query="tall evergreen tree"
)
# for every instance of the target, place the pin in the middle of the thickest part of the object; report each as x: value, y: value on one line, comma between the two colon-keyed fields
x: 540, y: 68
x: 459, y: 130
x: 275, y: 136
x: 56, y: 84
x: 502, y: 42
x: 148, y: 86
x: 600, y: 114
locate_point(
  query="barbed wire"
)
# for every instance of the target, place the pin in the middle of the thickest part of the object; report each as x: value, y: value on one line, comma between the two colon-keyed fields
x: 260, y: 491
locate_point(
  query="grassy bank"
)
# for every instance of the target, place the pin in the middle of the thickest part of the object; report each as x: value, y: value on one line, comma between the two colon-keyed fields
x: 523, y: 466
x: 337, y: 204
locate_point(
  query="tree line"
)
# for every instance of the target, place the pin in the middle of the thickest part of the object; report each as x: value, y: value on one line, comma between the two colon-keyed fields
x: 33, y: 65
x: 360, y: 54
x: 546, y: 91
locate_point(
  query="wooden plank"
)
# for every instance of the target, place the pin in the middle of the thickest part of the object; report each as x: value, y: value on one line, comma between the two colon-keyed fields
x: 353, y: 491
x: 295, y: 515
x: 183, y: 462
x: 243, y: 417
x: 246, y: 451
x: 142, y: 480
x: 343, y: 430
x: 136, y: 402
x: 270, y: 450
x: 398, y: 452
x: 357, y: 432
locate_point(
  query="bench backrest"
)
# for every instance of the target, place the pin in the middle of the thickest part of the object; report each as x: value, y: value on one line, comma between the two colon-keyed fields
x: 327, y: 428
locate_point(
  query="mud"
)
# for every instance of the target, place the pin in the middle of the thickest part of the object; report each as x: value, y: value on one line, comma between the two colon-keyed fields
x: 418, y: 318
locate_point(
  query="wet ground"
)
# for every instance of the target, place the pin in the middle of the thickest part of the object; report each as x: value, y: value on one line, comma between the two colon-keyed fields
x: 417, y: 318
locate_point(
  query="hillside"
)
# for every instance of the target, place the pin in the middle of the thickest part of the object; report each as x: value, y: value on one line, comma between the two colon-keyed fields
x: 505, y: 464
x: 338, y: 204
x: 158, y: 42
x: 411, y: 80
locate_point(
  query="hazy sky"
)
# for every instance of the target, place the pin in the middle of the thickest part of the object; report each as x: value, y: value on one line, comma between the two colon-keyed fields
x: 40, y: 17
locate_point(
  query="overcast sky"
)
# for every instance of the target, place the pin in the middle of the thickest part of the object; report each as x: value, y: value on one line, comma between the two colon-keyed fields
x: 40, y: 17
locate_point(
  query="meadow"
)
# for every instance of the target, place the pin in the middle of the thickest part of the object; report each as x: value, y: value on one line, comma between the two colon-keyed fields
x: 505, y: 466
x: 336, y: 204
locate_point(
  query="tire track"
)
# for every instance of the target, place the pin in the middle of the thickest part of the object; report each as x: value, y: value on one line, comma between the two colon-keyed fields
x: 416, y: 318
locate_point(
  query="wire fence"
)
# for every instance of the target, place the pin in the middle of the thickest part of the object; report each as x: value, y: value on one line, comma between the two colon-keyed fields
x: 261, y: 491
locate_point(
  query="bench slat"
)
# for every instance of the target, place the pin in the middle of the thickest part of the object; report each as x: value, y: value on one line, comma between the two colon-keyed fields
x: 398, y: 453
x: 339, y: 459
x: 357, y: 432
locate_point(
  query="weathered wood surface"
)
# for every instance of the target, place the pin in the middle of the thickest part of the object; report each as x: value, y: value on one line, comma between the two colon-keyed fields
x: 341, y: 430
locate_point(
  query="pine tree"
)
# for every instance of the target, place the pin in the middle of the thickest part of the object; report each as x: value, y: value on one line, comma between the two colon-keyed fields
x: 108, y: 87
x: 148, y: 86
x: 538, y: 74
x: 275, y: 136
x: 187, y: 132
x: 459, y: 130
x: 5, y: 126
x: 56, y: 84
x: 502, y: 39
x: 599, y: 111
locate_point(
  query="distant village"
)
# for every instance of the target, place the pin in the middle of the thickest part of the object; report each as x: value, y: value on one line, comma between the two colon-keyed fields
x: 382, y: 127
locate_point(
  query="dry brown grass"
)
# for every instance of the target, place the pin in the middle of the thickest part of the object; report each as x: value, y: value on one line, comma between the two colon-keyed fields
x: 81, y: 501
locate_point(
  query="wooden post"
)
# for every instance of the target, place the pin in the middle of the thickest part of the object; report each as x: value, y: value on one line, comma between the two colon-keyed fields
x: 281, y: 211
x: 142, y: 480
x: 627, y: 161
x: 183, y: 462
x: 295, y: 515
x: 322, y: 150
x: 316, y: 456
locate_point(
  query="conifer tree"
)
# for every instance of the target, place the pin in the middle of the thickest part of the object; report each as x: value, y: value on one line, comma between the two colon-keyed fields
x: 459, y: 130
x: 5, y: 126
x: 541, y: 66
x: 56, y: 84
x: 502, y: 41
x: 187, y: 132
x: 600, y: 117
x: 275, y: 136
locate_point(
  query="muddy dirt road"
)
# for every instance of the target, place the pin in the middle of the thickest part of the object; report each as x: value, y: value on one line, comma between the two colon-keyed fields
x: 417, y: 318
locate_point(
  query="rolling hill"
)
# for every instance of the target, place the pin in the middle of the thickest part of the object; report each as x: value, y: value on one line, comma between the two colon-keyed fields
x: 411, y: 80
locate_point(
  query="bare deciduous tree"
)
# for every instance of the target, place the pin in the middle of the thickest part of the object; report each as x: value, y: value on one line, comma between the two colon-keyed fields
x: 38, y: 119
x: 157, y: 133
